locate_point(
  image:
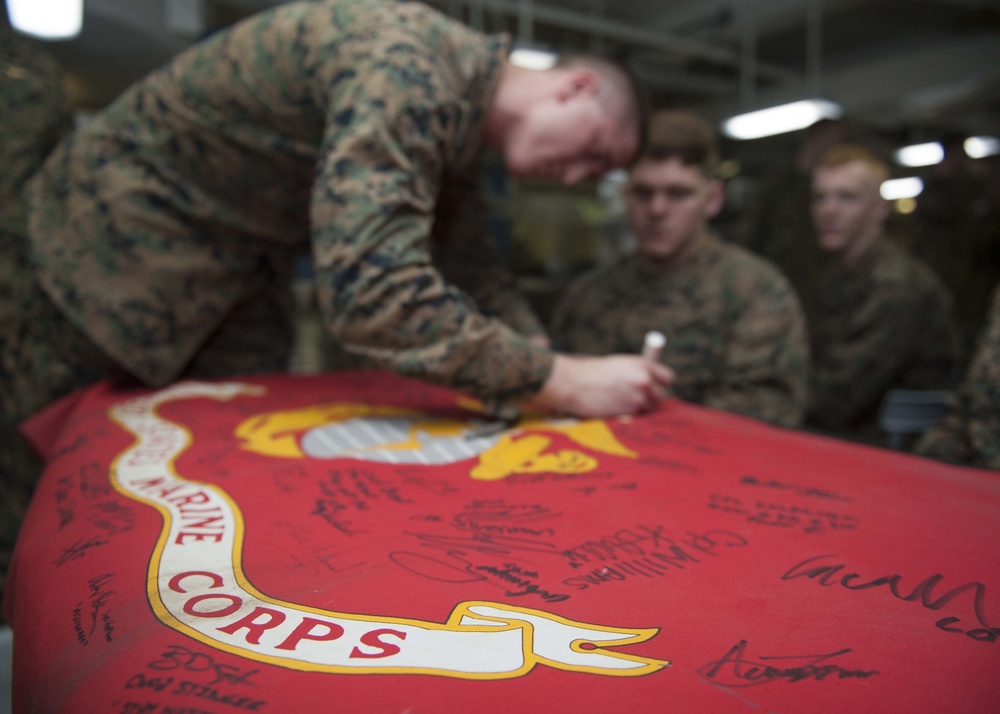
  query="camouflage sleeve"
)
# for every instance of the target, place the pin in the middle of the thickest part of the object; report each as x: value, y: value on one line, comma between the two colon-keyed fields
x: 371, y: 214
x: 949, y: 439
x: 467, y: 256
x: 890, y: 331
x: 970, y: 433
x: 578, y: 319
x: 984, y: 389
x: 35, y: 110
x: 35, y: 116
x: 766, y: 358
x: 560, y: 318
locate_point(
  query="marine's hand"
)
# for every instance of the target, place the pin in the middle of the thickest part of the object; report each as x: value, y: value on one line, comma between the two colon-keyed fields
x: 604, y: 386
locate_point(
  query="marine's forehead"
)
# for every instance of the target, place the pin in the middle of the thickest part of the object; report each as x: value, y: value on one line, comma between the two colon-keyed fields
x: 853, y: 174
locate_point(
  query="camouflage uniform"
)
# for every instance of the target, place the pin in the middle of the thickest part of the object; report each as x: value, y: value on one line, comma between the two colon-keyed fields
x: 735, y: 332
x: 885, y: 322
x: 970, y: 433
x: 164, y: 233
x: 34, y: 115
x: 345, y: 125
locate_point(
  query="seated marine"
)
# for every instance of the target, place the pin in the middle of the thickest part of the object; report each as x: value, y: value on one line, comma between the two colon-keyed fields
x: 735, y: 332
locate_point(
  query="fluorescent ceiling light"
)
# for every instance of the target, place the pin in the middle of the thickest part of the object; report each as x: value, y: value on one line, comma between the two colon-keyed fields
x: 921, y: 154
x: 895, y: 189
x: 979, y: 147
x: 533, y: 58
x: 780, y: 119
x: 47, y: 19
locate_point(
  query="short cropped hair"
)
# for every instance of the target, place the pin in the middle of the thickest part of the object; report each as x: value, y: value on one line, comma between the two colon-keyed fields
x: 849, y: 153
x: 684, y: 135
x: 627, y: 94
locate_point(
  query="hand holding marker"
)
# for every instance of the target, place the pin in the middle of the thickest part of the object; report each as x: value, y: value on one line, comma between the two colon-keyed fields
x: 653, y: 344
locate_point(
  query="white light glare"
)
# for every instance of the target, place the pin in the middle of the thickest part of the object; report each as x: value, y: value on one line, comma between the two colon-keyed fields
x: 780, y: 119
x: 47, y: 19
x: 979, y: 147
x: 921, y: 154
x: 533, y: 59
x: 895, y: 189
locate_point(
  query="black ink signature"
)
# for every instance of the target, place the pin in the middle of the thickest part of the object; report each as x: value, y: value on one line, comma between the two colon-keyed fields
x: 669, y: 464
x: 800, y: 490
x: 459, y: 570
x: 512, y: 573
x: 94, y: 481
x: 653, y: 559
x: 69, y: 448
x: 641, y: 540
x: 328, y: 509
x: 469, y: 524
x: 660, y: 438
x: 499, y: 517
x: 779, y: 515
x: 438, y: 486
x: 829, y: 575
x: 454, y: 567
x: 178, y: 657
x: 493, y: 527
x: 99, y: 598
x: 552, y: 476
x: 79, y: 549
x: 480, y: 542
x: 112, y: 517
x: 733, y: 670
x: 499, y: 510
x: 65, y: 503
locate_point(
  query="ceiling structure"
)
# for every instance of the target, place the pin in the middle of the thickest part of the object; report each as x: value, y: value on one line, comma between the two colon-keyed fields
x: 910, y: 68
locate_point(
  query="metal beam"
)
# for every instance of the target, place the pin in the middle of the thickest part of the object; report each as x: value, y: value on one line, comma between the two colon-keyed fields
x: 889, y: 88
x: 641, y: 36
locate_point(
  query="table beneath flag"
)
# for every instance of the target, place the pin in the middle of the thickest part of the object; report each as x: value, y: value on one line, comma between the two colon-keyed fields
x: 355, y: 542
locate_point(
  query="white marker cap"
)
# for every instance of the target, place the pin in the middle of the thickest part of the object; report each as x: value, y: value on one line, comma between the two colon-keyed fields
x: 653, y: 344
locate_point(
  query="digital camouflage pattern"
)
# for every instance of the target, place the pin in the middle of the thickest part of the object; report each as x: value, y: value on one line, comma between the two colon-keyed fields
x: 970, y: 433
x: 34, y: 115
x: 735, y: 332
x: 887, y: 322
x: 343, y: 126
x: 165, y: 231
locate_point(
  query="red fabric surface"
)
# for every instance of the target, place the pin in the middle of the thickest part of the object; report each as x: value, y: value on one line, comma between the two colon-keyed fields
x: 198, y: 550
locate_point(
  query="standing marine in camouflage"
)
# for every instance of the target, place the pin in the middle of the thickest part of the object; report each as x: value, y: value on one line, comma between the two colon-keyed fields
x: 880, y: 318
x: 735, y: 332
x: 164, y: 232
x: 34, y: 115
x: 970, y: 433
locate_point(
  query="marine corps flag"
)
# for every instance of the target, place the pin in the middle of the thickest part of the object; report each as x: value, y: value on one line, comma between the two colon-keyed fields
x: 364, y: 543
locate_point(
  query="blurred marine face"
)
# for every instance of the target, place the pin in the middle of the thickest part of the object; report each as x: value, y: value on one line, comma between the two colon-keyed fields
x: 569, y: 137
x: 669, y: 206
x: 847, y: 209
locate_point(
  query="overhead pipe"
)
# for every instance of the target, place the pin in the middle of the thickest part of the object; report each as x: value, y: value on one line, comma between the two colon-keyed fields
x: 748, y: 65
x: 598, y: 10
x: 476, y: 14
x: 526, y: 21
x: 814, y: 47
x: 637, y: 36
